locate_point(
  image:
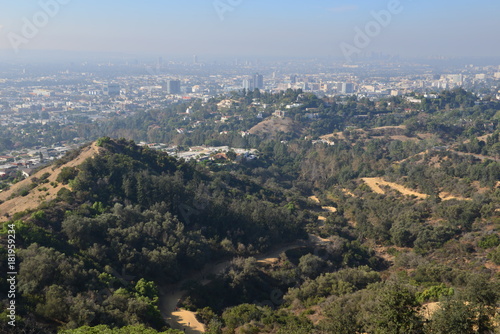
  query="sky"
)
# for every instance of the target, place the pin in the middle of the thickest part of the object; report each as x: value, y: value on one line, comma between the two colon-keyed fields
x: 314, y: 28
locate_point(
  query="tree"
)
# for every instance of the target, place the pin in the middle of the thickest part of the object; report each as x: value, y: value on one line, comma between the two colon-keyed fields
x: 396, y: 311
x: 342, y: 318
x: 453, y: 316
x: 67, y: 174
x: 56, y: 304
x: 147, y: 289
x: 310, y: 265
x: 240, y: 315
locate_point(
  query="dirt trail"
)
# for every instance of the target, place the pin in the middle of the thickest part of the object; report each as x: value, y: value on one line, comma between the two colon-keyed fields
x: 36, y: 196
x: 447, y: 196
x: 375, y: 184
x: 324, y: 208
x: 413, y: 156
x: 178, y: 318
x: 170, y: 295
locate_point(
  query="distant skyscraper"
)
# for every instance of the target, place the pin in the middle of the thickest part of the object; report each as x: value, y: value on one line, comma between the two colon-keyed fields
x: 173, y: 87
x: 293, y: 79
x: 160, y: 62
x: 195, y: 59
x: 111, y: 90
x: 347, y: 88
x: 248, y: 84
x: 258, y: 81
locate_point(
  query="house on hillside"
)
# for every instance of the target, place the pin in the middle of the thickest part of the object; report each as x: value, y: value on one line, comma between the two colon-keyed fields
x: 220, y: 157
x: 280, y: 113
x: 27, y: 172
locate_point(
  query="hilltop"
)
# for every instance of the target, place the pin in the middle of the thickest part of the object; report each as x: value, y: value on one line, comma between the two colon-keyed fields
x: 272, y: 126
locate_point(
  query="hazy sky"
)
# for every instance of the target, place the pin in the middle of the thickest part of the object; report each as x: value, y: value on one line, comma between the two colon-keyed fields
x: 253, y: 27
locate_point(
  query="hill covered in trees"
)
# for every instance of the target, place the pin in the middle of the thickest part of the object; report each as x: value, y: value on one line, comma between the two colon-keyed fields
x: 137, y: 213
x: 410, y: 242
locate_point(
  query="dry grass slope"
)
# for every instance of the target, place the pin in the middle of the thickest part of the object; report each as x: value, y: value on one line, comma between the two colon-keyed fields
x: 36, y: 197
x: 273, y: 125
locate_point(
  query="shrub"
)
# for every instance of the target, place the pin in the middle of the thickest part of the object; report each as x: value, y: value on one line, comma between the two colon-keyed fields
x: 489, y: 241
x: 67, y: 174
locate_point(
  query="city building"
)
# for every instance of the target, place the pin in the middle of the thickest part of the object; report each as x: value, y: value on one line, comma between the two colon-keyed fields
x: 111, y: 90
x: 173, y: 87
x: 346, y: 88
x: 258, y: 81
x: 248, y: 84
x: 43, y: 92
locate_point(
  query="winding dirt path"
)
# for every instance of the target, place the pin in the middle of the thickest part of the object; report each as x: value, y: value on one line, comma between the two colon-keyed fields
x: 375, y: 184
x: 170, y: 295
x: 330, y: 209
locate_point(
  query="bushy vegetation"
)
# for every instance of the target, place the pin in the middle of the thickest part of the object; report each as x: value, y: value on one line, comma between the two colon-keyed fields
x: 134, y: 219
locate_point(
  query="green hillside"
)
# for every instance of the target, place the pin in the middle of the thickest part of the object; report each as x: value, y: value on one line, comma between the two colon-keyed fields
x: 390, y: 226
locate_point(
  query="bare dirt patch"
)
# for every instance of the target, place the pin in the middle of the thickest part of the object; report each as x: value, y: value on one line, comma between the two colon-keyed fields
x: 479, y: 189
x: 492, y: 266
x: 428, y: 310
x: 180, y: 319
x: 348, y: 192
x: 315, y: 199
x: 329, y: 209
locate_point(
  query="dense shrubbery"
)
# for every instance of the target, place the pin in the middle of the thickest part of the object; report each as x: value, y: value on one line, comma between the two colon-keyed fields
x: 134, y: 218
x: 136, y: 214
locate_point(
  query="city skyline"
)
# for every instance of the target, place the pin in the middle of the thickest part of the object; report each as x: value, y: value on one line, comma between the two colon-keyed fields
x: 343, y: 29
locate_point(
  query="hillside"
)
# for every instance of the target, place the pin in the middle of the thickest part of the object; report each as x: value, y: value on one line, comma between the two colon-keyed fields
x: 171, y: 217
x: 45, y: 192
x: 376, y: 184
x: 270, y: 127
x: 393, y: 229
x: 399, y: 133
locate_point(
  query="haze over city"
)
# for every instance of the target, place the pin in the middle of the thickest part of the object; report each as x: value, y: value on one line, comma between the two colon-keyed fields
x: 252, y: 28
x: 249, y: 166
